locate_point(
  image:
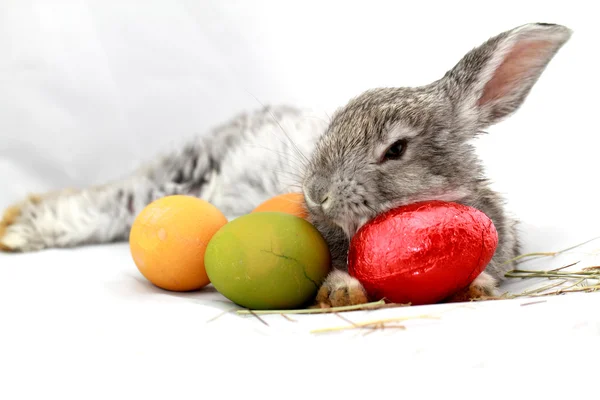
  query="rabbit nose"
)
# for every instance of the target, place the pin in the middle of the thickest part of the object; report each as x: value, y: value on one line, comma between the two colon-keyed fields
x: 326, y: 202
x: 317, y: 194
x: 323, y: 201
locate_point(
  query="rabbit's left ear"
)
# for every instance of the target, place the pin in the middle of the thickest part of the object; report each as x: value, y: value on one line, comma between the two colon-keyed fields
x: 492, y: 81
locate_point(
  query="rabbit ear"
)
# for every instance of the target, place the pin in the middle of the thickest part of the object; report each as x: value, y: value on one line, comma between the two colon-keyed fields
x: 492, y: 81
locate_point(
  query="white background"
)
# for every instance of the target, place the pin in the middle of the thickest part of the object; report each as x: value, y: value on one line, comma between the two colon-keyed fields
x: 88, y: 89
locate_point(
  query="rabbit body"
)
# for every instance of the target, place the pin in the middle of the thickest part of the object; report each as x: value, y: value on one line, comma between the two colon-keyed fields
x: 384, y: 148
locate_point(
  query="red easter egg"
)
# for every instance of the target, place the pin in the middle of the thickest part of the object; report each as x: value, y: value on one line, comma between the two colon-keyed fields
x: 423, y: 252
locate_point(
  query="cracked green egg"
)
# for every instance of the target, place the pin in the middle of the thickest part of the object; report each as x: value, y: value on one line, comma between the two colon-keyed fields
x: 268, y: 260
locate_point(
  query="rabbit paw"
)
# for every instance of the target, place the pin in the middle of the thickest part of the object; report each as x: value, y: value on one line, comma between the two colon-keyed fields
x: 17, y: 232
x: 482, y: 288
x: 32, y: 224
x: 340, y: 289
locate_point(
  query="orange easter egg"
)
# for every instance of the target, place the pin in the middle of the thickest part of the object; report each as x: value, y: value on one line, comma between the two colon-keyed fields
x: 168, y: 240
x: 290, y: 203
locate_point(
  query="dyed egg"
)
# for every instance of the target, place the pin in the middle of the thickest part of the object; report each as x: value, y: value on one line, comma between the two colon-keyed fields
x: 290, y: 203
x: 268, y: 260
x: 168, y: 240
x: 422, y: 253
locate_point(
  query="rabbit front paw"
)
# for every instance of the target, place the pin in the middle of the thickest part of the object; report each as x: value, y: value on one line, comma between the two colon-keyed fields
x: 484, y: 287
x: 340, y: 289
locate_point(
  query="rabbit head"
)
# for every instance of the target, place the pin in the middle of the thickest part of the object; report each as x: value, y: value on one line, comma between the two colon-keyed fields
x: 393, y: 146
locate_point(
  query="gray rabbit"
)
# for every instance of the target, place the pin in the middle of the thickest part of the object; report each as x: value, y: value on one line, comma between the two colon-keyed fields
x: 385, y: 148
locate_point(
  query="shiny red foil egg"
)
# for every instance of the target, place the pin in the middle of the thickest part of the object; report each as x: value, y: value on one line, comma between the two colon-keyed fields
x: 422, y: 253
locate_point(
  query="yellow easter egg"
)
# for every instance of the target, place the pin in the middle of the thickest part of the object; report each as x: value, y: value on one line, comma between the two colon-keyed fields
x: 168, y: 240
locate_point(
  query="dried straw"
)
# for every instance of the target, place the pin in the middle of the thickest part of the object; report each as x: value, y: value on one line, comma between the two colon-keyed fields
x: 376, y: 305
x: 376, y: 324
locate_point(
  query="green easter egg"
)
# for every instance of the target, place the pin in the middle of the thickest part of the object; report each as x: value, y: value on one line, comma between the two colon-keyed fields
x: 267, y: 260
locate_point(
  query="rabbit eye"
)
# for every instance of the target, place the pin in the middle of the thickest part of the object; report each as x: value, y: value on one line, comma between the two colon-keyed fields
x: 395, y: 151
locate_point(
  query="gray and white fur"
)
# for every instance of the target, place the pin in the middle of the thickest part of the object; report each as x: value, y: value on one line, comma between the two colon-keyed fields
x: 385, y: 148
